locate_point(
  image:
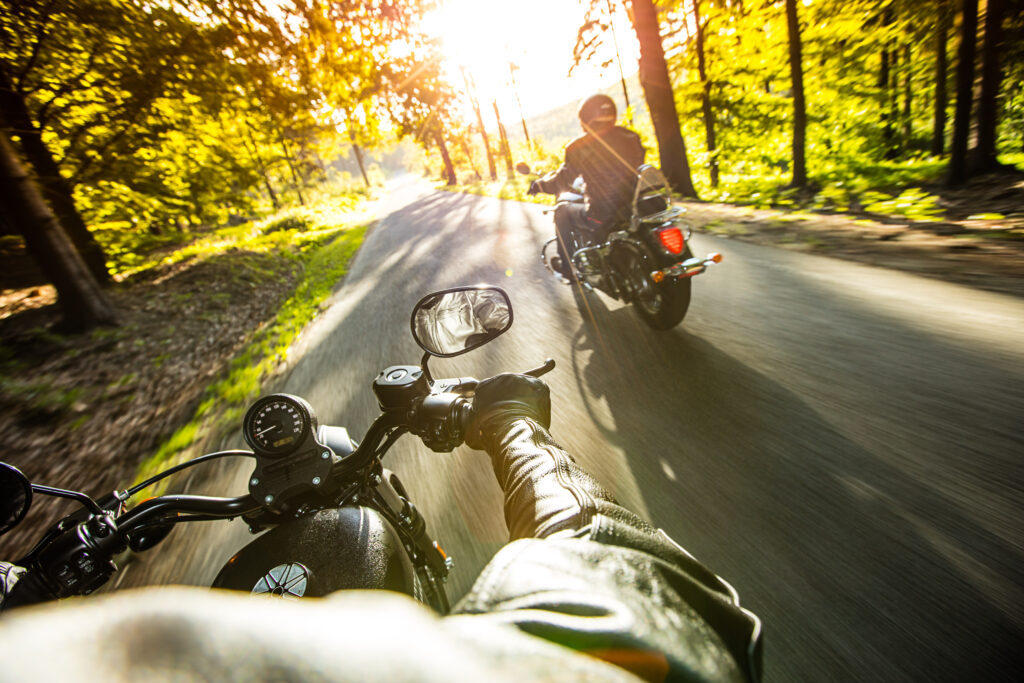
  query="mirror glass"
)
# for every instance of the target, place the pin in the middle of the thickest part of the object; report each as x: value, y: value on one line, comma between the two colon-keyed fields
x: 15, y: 497
x: 459, y: 320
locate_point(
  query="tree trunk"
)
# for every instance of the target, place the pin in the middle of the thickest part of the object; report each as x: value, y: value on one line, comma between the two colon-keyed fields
x: 449, y: 169
x: 359, y: 160
x: 83, y: 302
x: 618, y: 60
x: 888, y: 133
x: 515, y: 91
x: 491, y: 167
x: 661, y: 102
x: 709, y: 123
x: 991, y: 79
x: 941, y: 76
x: 471, y: 91
x: 469, y: 155
x: 893, y: 150
x: 796, y: 70
x: 296, y: 178
x: 255, y: 155
x: 506, y: 151
x: 958, y: 171
x: 15, y: 117
x: 907, y: 122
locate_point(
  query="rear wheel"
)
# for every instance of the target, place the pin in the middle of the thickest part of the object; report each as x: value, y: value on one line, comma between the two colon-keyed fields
x: 661, y: 305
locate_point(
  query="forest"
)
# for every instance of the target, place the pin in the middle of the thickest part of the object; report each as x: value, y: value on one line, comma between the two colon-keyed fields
x: 128, y: 125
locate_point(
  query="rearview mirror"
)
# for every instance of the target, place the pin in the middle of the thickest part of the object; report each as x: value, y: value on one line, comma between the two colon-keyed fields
x: 523, y: 168
x: 453, y: 321
x: 15, y: 497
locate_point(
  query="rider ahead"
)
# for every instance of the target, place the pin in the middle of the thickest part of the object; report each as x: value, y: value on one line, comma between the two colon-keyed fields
x: 607, y: 156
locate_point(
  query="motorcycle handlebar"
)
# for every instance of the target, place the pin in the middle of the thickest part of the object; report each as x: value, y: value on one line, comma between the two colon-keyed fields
x: 149, y: 510
x: 443, y: 427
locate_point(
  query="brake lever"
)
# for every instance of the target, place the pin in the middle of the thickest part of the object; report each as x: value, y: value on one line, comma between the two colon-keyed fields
x: 466, y: 385
x: 542, y: 369
x: 454, y: 385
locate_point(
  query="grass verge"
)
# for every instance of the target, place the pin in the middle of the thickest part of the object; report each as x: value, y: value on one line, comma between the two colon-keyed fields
x: 323, y: 249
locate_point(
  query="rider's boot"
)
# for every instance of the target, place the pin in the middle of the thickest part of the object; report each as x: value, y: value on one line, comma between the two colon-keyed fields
x: 564, y: 271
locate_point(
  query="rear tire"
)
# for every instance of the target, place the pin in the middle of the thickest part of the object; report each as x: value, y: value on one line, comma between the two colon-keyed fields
x: 661, y: 305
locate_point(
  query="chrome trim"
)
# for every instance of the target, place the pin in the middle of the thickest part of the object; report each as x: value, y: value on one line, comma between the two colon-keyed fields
x: 288, y: 580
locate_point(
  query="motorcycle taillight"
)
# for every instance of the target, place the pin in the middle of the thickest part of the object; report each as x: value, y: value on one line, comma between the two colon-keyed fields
x: 672, y: 239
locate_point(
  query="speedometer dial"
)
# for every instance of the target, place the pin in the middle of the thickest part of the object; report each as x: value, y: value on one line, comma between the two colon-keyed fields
x: 276, y: 425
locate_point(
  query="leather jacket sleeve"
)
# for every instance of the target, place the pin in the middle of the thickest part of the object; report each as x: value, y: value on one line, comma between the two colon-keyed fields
x: 546, y: 492
x: 560, y: 180
x: 592, y: 575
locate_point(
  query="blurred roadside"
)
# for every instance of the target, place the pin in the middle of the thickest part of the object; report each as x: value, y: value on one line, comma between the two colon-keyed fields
x: 976, y: 240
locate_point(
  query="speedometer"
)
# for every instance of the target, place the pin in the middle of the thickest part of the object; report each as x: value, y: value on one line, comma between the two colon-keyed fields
x: 277, y: 424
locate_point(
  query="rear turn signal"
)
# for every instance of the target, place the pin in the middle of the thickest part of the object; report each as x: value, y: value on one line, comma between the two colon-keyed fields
x: 715, y: 256
x: 672, y: 239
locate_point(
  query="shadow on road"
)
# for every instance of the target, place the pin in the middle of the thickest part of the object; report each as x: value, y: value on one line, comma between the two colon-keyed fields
x: 859, y: 564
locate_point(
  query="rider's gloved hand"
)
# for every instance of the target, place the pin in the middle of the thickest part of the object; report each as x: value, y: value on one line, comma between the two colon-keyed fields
x: 534, y: 188
x: 502, y: 399
x: 9, y: 575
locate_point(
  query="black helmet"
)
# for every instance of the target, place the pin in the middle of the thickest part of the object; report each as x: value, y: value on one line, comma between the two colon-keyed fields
x: 598, y: 111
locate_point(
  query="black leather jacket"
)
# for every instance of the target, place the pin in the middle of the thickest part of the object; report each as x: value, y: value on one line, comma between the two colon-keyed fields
x: 586, y: 591
x: 607, y: 160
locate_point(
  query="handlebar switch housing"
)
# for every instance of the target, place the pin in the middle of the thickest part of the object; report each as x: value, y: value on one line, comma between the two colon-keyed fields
x: 79, y: 561
x: 399, y: 385
x: 440, y: 419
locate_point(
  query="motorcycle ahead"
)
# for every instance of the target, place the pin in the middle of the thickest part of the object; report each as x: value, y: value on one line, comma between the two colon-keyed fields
x: 647, y: 263
x: 333, y: 517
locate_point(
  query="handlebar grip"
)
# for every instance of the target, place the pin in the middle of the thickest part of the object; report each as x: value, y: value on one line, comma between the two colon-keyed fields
x: 30, y: 589
x: 547, y: 367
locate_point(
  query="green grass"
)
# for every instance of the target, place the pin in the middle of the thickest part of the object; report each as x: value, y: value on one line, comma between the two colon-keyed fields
x: 322, y: 239
x: 133, y: 249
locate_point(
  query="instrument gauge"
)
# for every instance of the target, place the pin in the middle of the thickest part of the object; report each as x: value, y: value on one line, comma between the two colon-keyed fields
x: 276, y: 425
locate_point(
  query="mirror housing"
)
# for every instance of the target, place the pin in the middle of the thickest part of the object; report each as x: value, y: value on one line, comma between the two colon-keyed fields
x: 523, y: 168
x: 454, y: 321
x: 15, y: 497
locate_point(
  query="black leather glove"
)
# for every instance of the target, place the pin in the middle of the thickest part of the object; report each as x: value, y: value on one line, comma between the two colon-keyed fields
x: 534, y: 188
x: 505, y: 398
x: 9, y: 575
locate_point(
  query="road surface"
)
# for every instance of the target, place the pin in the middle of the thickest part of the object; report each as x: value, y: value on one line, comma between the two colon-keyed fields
x: 844, y: 444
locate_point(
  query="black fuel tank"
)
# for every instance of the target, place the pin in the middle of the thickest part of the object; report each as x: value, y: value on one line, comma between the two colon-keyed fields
x: 349, y: 547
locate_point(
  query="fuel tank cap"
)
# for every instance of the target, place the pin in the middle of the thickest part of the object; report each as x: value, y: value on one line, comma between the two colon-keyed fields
x: 287, y: 580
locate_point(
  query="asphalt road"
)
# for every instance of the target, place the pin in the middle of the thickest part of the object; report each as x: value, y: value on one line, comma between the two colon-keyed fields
x: 842, y: 443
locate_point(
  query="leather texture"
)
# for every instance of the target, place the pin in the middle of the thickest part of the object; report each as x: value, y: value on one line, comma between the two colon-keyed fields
x: 603, y: 581
x: 607, y: 161
x: 500, y: 399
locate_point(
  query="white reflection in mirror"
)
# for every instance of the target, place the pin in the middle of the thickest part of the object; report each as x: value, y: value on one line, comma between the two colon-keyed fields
x: 458, y: 321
